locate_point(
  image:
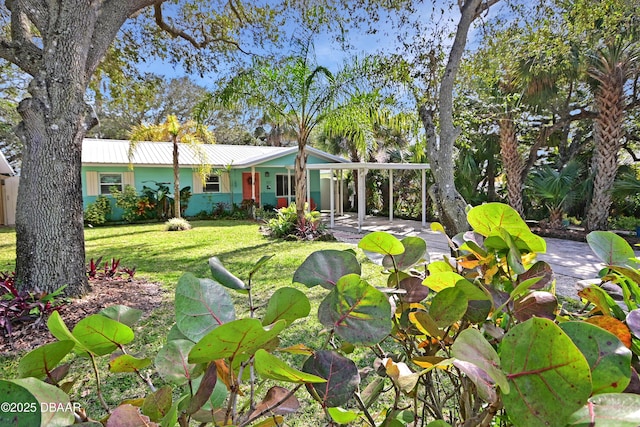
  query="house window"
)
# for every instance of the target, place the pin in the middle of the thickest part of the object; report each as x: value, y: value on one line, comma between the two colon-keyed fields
x: 212, y: 185
x: 108, y: 180
x: 283, y: 185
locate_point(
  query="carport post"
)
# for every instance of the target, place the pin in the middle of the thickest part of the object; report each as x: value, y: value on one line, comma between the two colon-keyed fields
x: 332, y: 198
x: 424, y: 198
x: 390, y: 195
x: 362, y: 207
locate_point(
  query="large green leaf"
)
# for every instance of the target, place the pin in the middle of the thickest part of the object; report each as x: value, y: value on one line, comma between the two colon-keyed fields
x: 341, y: 374
x: 486, y: 219
x: 269, y: 366
x: 157, y: 404
x: 549, y: 377
x: 201, y: 306
x: 471, y: 346
x: 448, y: 306
x: 609, y: 410
x: 59, y: 329
x: 128, y: 363
x: 172, y: 362
x: 326, y: 267
x: 381, y: 242
x: 415, y: 250
x: 440, y: 280
x: 286, y: 303
x: 123, y: 314
x: 240, y: 337
x: 23, y: 408
x: 342, y: 416
x: 357, y: 311
x: 54, y: 404
x: 171, y: 418
x: 102, y: 335
x: 37, y: 363
x: 175, y: 334
x: 224, y: 276
x: 611, y: 248
x: 609, y: 359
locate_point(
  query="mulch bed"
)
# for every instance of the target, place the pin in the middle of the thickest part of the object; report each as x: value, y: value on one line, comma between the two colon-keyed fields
x: 140, y: 294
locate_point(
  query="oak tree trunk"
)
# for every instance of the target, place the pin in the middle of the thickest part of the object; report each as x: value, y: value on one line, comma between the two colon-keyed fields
x: 73, y: 38
x: 450, y: 205
x: 49, y: 215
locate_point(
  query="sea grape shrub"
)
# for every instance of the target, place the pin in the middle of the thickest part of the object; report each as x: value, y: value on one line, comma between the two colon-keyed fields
x: 475, y: 339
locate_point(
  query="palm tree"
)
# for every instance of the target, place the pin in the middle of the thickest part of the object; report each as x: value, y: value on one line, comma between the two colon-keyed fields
x: 175, y: 132
x: 364, y: 127
x: 296, y: 92
x: 610, y: 68
x: 557, y: 190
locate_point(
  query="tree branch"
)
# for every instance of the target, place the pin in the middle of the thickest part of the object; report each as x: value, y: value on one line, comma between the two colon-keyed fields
x: 546, y: 131
x: 630, y: 150
x: 37, y: 11
x: 175, y: 32
x: 20, y: 50
x: 113, y: 14
x: 483, y: 7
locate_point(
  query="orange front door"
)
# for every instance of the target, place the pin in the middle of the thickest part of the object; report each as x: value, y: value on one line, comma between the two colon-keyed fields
x: 248, y: 186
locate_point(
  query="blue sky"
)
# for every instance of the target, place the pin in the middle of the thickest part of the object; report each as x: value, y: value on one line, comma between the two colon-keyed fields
x: 328, y: 51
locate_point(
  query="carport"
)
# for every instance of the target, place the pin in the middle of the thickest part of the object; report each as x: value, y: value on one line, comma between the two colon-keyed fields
x: 362, y: 169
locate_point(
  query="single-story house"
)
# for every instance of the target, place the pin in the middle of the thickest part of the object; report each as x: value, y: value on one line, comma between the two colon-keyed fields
x: 264, y: 174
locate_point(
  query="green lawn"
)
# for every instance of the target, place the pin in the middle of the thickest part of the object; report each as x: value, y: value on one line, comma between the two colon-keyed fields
x: 163, y: 256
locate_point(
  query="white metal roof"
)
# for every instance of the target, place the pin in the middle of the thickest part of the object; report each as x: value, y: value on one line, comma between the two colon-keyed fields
x: 116, y: 152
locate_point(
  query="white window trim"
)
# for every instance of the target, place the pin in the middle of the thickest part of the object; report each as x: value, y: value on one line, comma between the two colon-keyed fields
x: 204, y: 185
x: 292, y: 188
x: 100, y: 184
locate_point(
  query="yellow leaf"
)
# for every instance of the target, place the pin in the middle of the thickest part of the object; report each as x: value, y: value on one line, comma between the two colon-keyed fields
x: 436, y: 226
x: 469, y: 263
x: 225, y: 374
x: 401, y: 375
x: 135, y: 402
x: 431, y: 361
x: 269, y: 422
x: 613, y: 325
x: 298, y: 349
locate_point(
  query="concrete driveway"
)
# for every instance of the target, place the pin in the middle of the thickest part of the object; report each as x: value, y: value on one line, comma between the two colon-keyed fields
x: 571, y: 261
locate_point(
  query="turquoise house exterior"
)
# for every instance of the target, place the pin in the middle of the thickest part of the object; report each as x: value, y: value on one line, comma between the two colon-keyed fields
x: 264, y: 174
